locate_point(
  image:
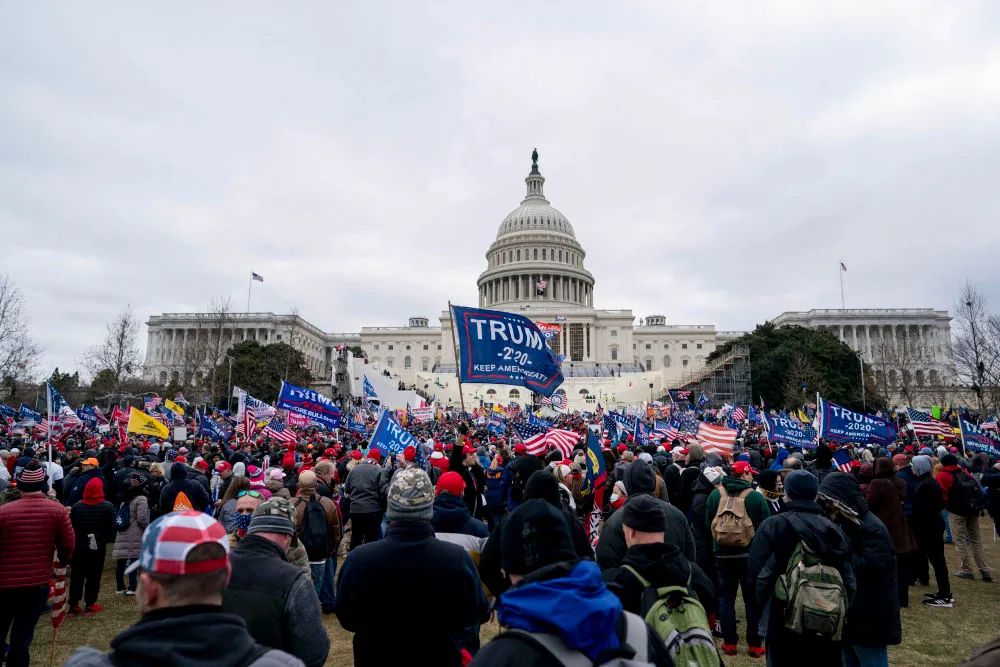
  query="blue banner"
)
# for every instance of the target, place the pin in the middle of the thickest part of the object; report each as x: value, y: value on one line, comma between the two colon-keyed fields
x: 209, y: 427
x: 496, y: 424
x: 627, y: 423
x: 390, y: 437
x: 642, y: 435
x: 789, y: 432
x: 87, y: 416
x: 842, y: 425
x: 356, y: 425
x: 503, y: 348
x: 978, y: 440
x: 369, y: 389
x: 309, y: 403
x: 26, y: 414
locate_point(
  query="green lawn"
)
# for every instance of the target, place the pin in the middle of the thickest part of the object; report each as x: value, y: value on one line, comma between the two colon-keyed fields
x: 930, y: 636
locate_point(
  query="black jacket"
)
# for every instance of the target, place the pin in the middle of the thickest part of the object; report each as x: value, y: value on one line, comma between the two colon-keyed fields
x: 701, y: 533
x: 873, y: 618
x: 97, y: 520
x: 661, y: 565
x: 277, y: 600
x: 451, y: 515
x: 75, y: 492
x: 672, y: 478
x: 991, y: 482
x: 439, y: 577
x: 179, y: 481
x: 928, y: 501
x: 688, y: 477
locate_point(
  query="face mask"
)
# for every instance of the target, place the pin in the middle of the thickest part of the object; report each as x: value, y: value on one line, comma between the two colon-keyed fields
x: 243, y: 521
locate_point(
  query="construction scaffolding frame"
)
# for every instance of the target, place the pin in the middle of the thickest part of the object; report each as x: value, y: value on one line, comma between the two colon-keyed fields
x: 725, y: 380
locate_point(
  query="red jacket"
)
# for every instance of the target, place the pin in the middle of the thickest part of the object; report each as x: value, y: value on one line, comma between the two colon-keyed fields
x: 31, y: 530
x: 947, y: 477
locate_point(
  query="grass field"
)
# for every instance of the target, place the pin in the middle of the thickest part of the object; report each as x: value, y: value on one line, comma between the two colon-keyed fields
x: 930, y: 636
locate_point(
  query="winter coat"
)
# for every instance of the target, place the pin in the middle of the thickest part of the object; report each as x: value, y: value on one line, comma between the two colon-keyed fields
x: 696, y: 519
x: 947, y: 477
x: 910, y: 479
x: 194, y: 636
x: 439, y: 576
x: 661, y: 565
x: 75, y: 492
x: 179, y: 482
x: 516, y: 476
x: 991, y: 482
x: 333, y: 521
x: 568, y: 600
x: 672, y: 477
x: 277, y: 600
x: 128, y: 543
x: 757, y: 509
x: 30, y: 529
x: 873, y: 617
x: 885, y: 499
x: 689, y: 476
x: 453, y: 523
x: 770, y: 551
x: 362, y: 487
x: 611, y: 548
x: 154, y: 489
x: 928, y: 501
x: 494, y: 496
x: 97, y: 520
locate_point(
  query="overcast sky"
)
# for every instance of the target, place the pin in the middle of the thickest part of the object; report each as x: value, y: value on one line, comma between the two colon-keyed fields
x: 717, y: 160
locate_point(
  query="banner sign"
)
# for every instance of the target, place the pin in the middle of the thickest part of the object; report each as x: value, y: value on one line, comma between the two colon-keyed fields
x: 550, y: 331
x: 682, y: 395
x: 369, y: 389
x: 503, y: 348
x: 310, y: 404
x: 978, y: 440
x: 296, y: 420
x: 789, y: 432
x: 422, y: 414
x: 626, y: 423
x: 211, y: 428
x: 390, y: 437
x: 87, y: 416
x: 842, y: 425
x: 27, y: 416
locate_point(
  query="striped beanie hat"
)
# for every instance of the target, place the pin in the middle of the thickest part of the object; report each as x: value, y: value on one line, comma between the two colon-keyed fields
x: 32, y: 478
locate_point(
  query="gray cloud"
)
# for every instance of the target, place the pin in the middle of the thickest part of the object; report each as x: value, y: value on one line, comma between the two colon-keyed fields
x: 716, y: 161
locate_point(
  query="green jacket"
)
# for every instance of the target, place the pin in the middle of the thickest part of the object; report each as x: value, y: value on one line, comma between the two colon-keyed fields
x: 757, y: 507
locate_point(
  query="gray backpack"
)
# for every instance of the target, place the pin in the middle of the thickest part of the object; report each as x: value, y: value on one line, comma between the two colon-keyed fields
x: 636, y: 638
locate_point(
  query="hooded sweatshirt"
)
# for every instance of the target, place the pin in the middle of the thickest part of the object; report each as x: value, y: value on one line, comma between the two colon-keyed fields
x: 661, y: 565
x: 756, y: 506
x: 93, y: 520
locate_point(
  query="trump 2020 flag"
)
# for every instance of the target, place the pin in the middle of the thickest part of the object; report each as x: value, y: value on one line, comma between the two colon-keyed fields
x: 978, y: 440
x: 842, y: 425
x: 309, y: 403
x: 503, y: 348
x: 390, y: 437
x: 369, y: 389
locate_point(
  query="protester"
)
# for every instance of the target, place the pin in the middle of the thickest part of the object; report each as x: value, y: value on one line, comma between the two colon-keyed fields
x: 885, y: 498
x: 774, y: 545
x: 89, y: 469
x: 873, y: 622
x: 93, y: 520
x: 559, y: 607
x: 276, y: 599
x: 317, y: 524
x: 32, y: 529
x: 702, y: 488
x: 362, y: 490
x: 183, y: 570
x: 465, y: 462
x: 182, y: 494
x: 226, y: 510
x: 439, y: 576
x: 451, y: 520
x: 246, y: 503
x: 964, y: 500
x: 928, y: 530
x: 130, y: 522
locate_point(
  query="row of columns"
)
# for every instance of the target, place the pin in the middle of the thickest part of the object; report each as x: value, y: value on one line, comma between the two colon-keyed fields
x: 166, y: 345
x: 524, y: 287
x: 866, y: 338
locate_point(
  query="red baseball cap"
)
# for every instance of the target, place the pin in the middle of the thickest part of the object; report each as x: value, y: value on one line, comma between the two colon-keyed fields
x: 375, y: 454
x: 410, y: 453
x: 468, y: 449
x: 742, y: 468
x: 357, y: 455
x: 520, y: 448
x: 223, y: 466
x: 450, y: 482
x: 622, y: 447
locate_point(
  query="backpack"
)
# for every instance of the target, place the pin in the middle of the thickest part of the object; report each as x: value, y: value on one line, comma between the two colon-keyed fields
x: 814, y: 594
x: 636, y: 638
x: 182, y: 503
x: 965, y: 497
x: 732, y: 526
x: 681, y: 621
x: 314, y: 532
x: 123, y: 517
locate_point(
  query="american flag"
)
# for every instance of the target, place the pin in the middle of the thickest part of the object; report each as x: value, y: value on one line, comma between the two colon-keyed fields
x: 716, y: 438
x: 538, y: 440
x: 277, y: 430
x: 924, y: 424
x: 556, y: 401
x: 256, y: 276
x: 667, y: 429
x: 688, y: 423
x: 609, y: 423
x: 151, y: 402
x: 248, y: 426
x: 57, y: 593
x: 842, y: 458
x: 541, y: 285
x: 738, y: 414
x: 989, y: 424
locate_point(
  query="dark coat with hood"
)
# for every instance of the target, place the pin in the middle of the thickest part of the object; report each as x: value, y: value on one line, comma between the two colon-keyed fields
x: 991, y: 482
x: 75, y: 492
x: 179, y: 481
x: 640, y: 479
x: 928, y: 501
x: 194, y: 636
x: 661, y: 565
x: 873, y: 617
x: 451, y: 515
x: 770, y: 551
x: 885, y: 497
x: 696, y: 519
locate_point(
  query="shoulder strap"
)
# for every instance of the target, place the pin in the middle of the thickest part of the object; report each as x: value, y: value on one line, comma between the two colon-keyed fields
x: 722, y: 493
x: 636, y: 636
x: 800, y: 530
x: 642, y: 580
x: 744, y: 493
x: 551, y: 645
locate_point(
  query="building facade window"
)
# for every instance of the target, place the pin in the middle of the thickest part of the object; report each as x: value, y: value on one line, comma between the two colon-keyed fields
x: 649, y: 364
x: 425, y: 364
x: 514, y: 393
x: 389, y: 361
x: 390, y: 347
x: 666, y: 361
x: 614, y: 353
x: 407, y: 363
x: 649, y: 346
x: 699, y: 346
x: 684, y: 346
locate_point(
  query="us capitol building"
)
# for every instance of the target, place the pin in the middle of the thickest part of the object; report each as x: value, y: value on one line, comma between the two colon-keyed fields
x: 535, y: 268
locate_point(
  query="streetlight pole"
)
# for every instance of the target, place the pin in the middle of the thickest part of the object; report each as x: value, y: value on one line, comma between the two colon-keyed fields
x: 864, y: 402
x: 650, y: 393
x: 229, y: 399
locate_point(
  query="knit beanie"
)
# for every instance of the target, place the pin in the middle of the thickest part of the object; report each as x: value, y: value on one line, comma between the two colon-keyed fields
x: 411, y: 496
x: 32, y: 478
x: 93, y: 492
x: 921, y: 465
x: 534, y: 535
x: 273, y: 516
x: 239, y: 469
x: 801, y: 485
x: 644, y: 514
x: 949, y: 460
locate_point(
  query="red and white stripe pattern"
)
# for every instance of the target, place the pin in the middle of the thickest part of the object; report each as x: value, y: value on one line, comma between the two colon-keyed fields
x: 169, y: 539
x: 57, y: 593
x: 989, y: 424
x: 715, y: 438
x: 924, y: 424
x: 276, y: 430
x: 738, y: 414
x: 556, y: 438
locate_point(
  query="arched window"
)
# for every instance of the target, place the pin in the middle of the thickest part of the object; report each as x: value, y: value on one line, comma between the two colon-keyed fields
x: 560, y: 255
x: 425, y: 364
x: 666, y: 361
x: 584, y: 392
x: 519, y: 254
x: 920, y: 378
x: 163, y: 377
x: 514, y: 393
x: 491, y: 392
x: 649, y: 364
x: 535, y: 253
x: 893, y: 378
x: 543, y: 253
x: 934, y: 377
x: 407, y: 363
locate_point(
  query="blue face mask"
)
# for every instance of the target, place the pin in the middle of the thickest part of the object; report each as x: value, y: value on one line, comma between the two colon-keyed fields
x: 243, y: 521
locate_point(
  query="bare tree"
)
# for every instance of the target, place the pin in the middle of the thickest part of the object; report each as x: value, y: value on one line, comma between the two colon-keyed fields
x: 18, y: 352
x: 202, y: 356
x: 117, y: 358
x: 801, y: 381
x: 976, y: 348
x: 897, y: 363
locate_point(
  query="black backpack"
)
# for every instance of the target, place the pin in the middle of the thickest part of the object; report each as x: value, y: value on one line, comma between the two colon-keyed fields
x: 965, y: 497
x: 315, y: 532
x: 123, y: 517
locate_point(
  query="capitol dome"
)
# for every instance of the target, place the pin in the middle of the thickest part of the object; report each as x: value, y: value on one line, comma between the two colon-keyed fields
x: 535, y: 256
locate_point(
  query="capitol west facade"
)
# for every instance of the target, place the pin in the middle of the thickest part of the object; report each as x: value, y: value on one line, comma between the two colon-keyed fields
x: 536, y: 268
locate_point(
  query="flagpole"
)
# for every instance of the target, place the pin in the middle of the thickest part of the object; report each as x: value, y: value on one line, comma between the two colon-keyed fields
x: 454, y: 344
x: 841, y: 272
x: 250, y: 287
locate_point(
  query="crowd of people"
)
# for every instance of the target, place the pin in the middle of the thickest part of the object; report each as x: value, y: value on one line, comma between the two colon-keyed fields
x: 231, y: 547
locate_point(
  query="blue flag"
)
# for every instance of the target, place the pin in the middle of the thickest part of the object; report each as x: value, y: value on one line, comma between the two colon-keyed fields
x: 26, y: 414
x: 540, y: 423
x: 87, y: 416
x: 369, y: 389
x: 7, y: 412
x: 503, y: 348
x: 596, y: 468
x: 627, y: 423
x: 356, y: 425
x: 703, y: 400
x: 788, y: 432
x: 390, y: 437
x: 978, y: 440
x: 496, y: 424
x: 209, y: 427
x: 309, y: 403
x: 842, y: 425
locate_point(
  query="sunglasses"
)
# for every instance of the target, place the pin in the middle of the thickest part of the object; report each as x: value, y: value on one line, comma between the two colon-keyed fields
x: 251, y: 493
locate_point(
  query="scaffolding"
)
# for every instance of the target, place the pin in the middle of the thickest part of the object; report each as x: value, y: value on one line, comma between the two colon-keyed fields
x: 725, y: 380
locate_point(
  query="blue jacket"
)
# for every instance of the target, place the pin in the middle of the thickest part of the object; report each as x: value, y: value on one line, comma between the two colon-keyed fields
x: 495, y: 488
x: 906, y: 474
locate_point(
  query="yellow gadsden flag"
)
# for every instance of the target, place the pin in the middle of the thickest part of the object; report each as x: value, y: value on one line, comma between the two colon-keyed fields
x: 143, y: 424
x: 173, y: 407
